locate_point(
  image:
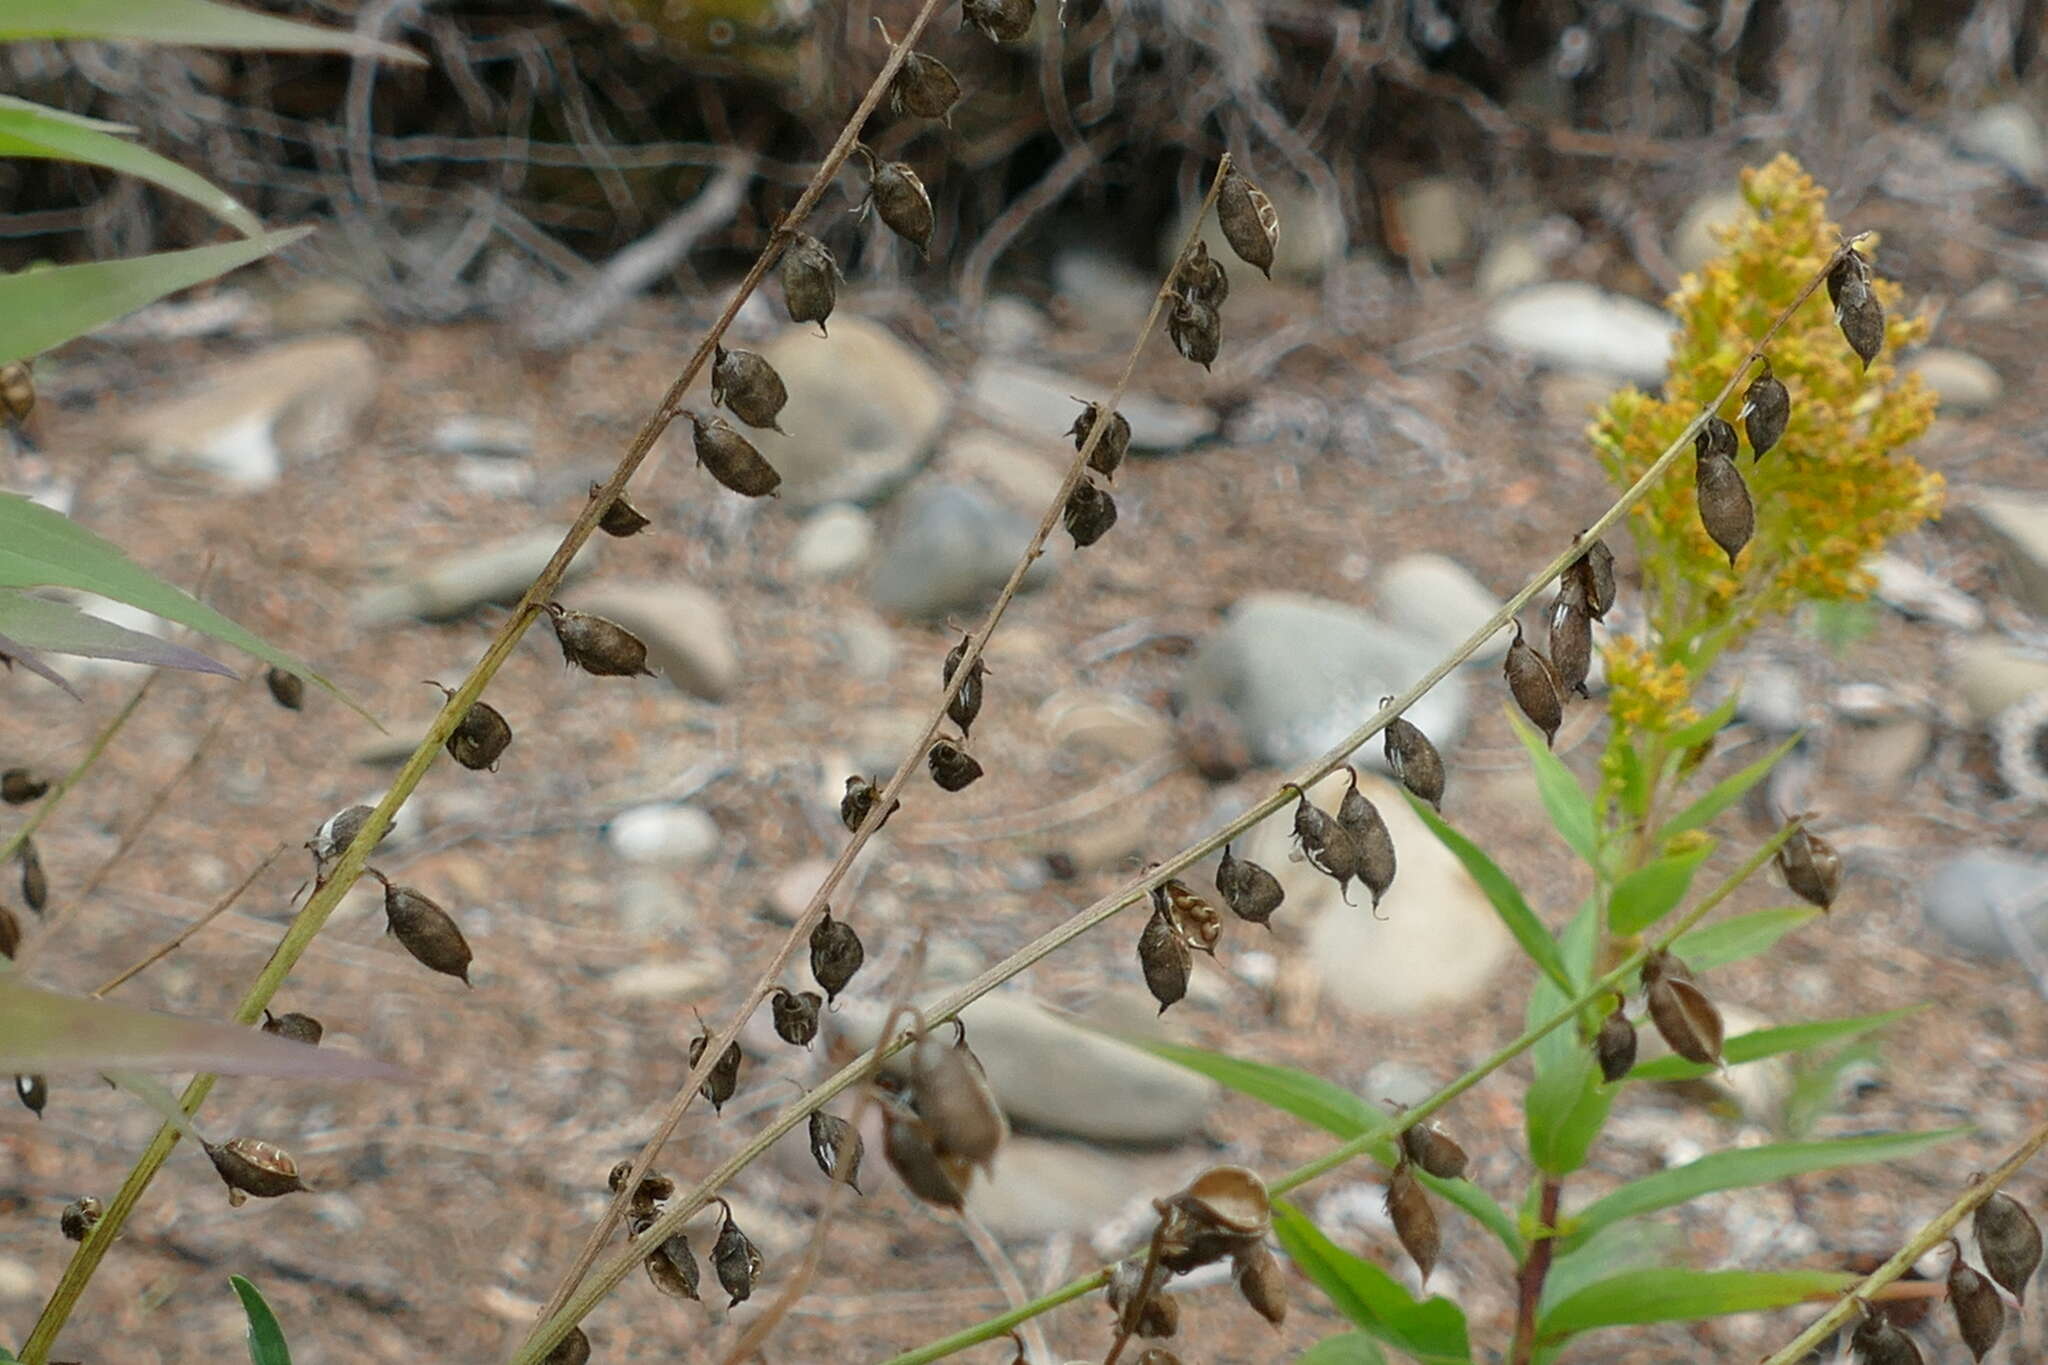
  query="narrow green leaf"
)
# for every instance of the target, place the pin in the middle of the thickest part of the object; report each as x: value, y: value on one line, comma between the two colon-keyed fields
x: 1432, y: 1331
x: 190, y: 23
x: 1353, y: 1348
x: 266, y: 1338
x: 1501, y: 890
x: 1575, y: 948
x: 1640, y: 1296
x: 1724, y: 794
x: 1817, y: 1084
x: 1571, y: 811
x: 1635, y: 788
x: 1706, y: 727
x: 32, y: 130
x: 1740, y: 936
x: 1745, y: 1166
x: 1770, y: 1042
x: 1653, y: 890
x: 1637, y: 1244
x: 62, y: 629
x: 1564, y: 1110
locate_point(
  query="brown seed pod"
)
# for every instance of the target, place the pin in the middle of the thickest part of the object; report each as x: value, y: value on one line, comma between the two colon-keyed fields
x: 1766, y: 408
x: 952, y: 1096
x: 952, y: 767
x: 332, y: 839
x: 1326, y: 844
x: 2008, y: 1242
x: 1251, y: 892
x: 1250, y: 222
x: 300, y: 1028
x: 1725, y: 508
x: 860, y: 798
x: 1414, y: 1219
x: 795, y: 1015
x: 1535, y: 686
x: 1716, y: 438
x: 1593, y: 573
x: 1201, y: 277
x: 1848, y: 277
x: 1361, y: 819
x: 731, y: 457
x: 1223, y: 1212
x: 427, y: 931
x: 35, y: 886
x: 19, y: 786
x: 1878, y: 1342
x: 1571, y: 641
x: 724, y: 1077
x: 899, y: 196
x: 748, y: 386
x: 1615, y: 1046
x: 620, y: 518
x: 1427, y: 1145
x: 1089, y: 513
x: 1157, y: 1317
x: 907, y: 1146
x: 1263, y: 1283
x: 966, y: 703
x: 836, y: 954
x: 1812, y: 868
x: 1199, y: 924
x: 1004, y: 21
x: 672, y: 1267
x: 1688, y: 1021
x: 831, y: 1135
x: 1663, y: 964
x: 78, y: 1217
x: 1980, y: 1313
x: 572, y: 1349
x: 654, y: 1187
x: 252, y: 1166
x: 810, y: 280
x: 32, y: 1091
x: 1164, y: 958
x: 10, y: 933
x: 286, y: 689
x: 1415, y: 761
x: 482, y: 735
x: 922, y: 87
x: 1857, y: 310
x: 1109, y: 452
x: 17, y: 390
x: 599, y: 647
x: 736, y: 1259
x: 1196, y: 329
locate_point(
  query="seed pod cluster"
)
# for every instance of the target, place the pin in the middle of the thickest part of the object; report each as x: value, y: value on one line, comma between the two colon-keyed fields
x: 480, y: 738
x: 1811, y: 867
x: 1414, y: 1218
x: 251, y: 1166
x: 1201, y: 277
x: 1250, y: 222
x: 1089, y: 513
x: 1108, y: 455
x: 1223, y: 1213
x: 895, y: 192
x: 748, y: 387
x: 600, y: 647
x: 1165, y: 960
x: 35, y: 884
x: 731, y: 457
x: 1251, y: 892
x: 572, y: 1349
x: 796, y: 1015
x: 951, y: 1093
x: 1199, y: 924
x: 724, y: 1077
x: 1325, y: 842
x: 1414, y: 759
x: 1156, y: 1318
x: 1361, y: 819
x: 33, y: 1092
x: 19, y: 786
x: 286, y: 689
x: 836, y: 954
x: 1004, y: 21
x: 907, y: 1145
x: 1615, y: 1045
x: 831, y: 1136
x: 736, y: 1259
x: 654, y: 1188
x: 1687, y: 1020
x: 1980, y: 1313
x: 966, y: 703
x: 300, y: 1028
x: 1857, y: 311
x: 1725, y: 507
x: 860, y: 798
x: 810, y: 280
x: 1592, y: 573
x: 17, y: 390
x: 425, y: 930
x: 952, y: 767
x: 10, y: 933
x: 2008, y: 1242
x: 78, y: 1218
x: 1766, y: 409
x: 620, y: 519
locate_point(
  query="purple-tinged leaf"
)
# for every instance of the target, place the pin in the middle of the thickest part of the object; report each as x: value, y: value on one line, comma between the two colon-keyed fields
x: 12, y: 653
x: 60, y: 629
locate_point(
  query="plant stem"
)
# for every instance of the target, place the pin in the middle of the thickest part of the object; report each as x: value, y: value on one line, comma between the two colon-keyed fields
x: 48, y: 805
x: 219, y: 908
x: 1535, y: 1269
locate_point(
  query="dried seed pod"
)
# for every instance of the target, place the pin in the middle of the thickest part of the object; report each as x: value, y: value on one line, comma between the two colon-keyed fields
x: 1089, y: 513
x: 599, y: 647
x: 78, y: 1218
x: 1716, y: 438
x: 795, y: 1015
x: 1157, y: 1317
x: 952, y: 767
x: 1857, y: 310
x: 860, y: 798
x: 2008, y: 1242
x: 1535, y: 686
x: 32, y: 1091
x: 830, y: 1136
x: 572, y: 1349
x: 482, y: 735
x: 1571, y: 641
x: 1326, y: 844
x: 899, y: 196
x: 1664, y: 964
x: 966, y: 703
x: 19, y: 786
x: 736, y: 1259
x: 332, y: 839
x: 1251, y: 892
x: 1725, y: 508
x: 907, y: 1145
x: 619, y: 518
x: 1879, y: 1342
x: 1361, y: 819
x: 810, y: 280
x: 1109, y: 452
x: 17, y: 390
x: 1004, y: 21
x: 724, y: 1077
x: 748, y: 386
x: 35, y: 886
x: 922, y: 87
x: 1848, y: 278
x: 1164, y: 958
x: 1201, y: 277
x: 1615, y: 1046
x: 1199, y: 924
x: 1196, y: 329
x: 836, y: 954
x: 1250, y: 222
x: 1766, y: 408
x: 672, y: 1267
x: 1688, y: 1021
x: 427, y: 931
x: 1980, y: 1313
x: 1222, y: 1213
x: 1415, y: 761
x: 1414, y: 1219
x: 300, y: 1028
x: 654, y: 1187
x: 1812, y: 868
x: 952, y: 1095
x: 10, y: 933
x: 286, y: 689
x: 1427, y: 1145
x: 731, y: 457
x: 1593, y: 573
x: 252, y: 1166
x: 1263, y: 1283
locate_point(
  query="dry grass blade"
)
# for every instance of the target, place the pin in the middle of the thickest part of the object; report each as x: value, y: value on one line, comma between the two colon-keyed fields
x: 219, y: 908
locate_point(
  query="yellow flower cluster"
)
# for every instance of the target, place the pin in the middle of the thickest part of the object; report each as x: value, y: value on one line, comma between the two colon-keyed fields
x: 1646, y: 693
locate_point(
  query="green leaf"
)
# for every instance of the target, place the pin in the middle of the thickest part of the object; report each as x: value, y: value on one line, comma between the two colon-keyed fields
x: 32, y: 130
x: 1634, y: 788
x: 1745, y: 1166
x: 1570, y: 809
x: 1653, y: 890
x: 43, y: 308
x: 1723, y: 794
x: 39, y: 548
x: 1353, y: 1348
x: 1770, y: 1042
x: 266, y: 1338
x: 1817, y: 1084
x: 1670, y: 1295
x: 1576, y: 946
x: 1432, y: 1331
x: 61, y: 629
x: 1705, y: 728
x: 1506, y: 897
x: 191, y: 23
x: 1633, y: 1245
x: 1741, y: 936
x: 1564, y: 1110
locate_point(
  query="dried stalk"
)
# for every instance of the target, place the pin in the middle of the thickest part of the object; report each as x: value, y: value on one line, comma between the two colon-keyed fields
x: 220, y: 907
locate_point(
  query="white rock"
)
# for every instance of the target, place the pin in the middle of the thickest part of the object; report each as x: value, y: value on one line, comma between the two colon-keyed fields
x: 2011, y: 135
x: 862, y: 414
x: 1992, y: 674
x: 475, y: 434
x: 951, y: 551
x: 1038, y: 1187
x: 833, y: 541
x: 1907, y: 588
x: 1510, y: 264
x: 866, y: 644
x: 1442, y: 601
x: 663, y: 834
x: 2018, y: 522
x: 1037, y: 401
x: 1012, y: 326
x: 448, y: 586
x: 1693, y: 242
x: 19, y: 1281
x: 1110, y: 723
x: 1435, y: 215
x: 1574, y: 325
x: 687, y: 633
x: 1959, y: 379
x: 666, y: 980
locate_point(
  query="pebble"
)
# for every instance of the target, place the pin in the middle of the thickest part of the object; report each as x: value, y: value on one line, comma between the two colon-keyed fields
x: 1992, y: 674
x: 1435, y: 216
x: 1035, y: 400
x: 1961, y: 380
x: 1110, y: 724
x: 451, y: 585
x: 474, y: 434
x: 951, y: 551
x: 1573, y: 325
x: 2011, y: 135
x: 1960, y: 898
x: 863, y: 412
x: 662, y: 834
x: 667, y: 980
x: 2018, y: 523
x: 1693, y: 241
x: 1441, y: 601
x: 1912, y: 591
x: 688, y: 636
x: 833, y: 542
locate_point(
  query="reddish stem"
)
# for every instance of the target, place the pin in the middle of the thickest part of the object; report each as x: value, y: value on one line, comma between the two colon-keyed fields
x: 1529, y: 1285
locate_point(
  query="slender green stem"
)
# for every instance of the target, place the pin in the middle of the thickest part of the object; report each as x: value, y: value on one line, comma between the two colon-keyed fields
x: 47, y: 807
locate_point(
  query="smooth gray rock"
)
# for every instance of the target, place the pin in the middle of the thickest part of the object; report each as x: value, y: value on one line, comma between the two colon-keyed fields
x: 951, y: 551
x: 1992, y: 674
x: 1043, y: 1187
x: 1441, y: 602
x: 662, y: 834
x: 446, y: 587
x: 2019, y: 523
x: 1032, y: 399
x: 2011, y: 135
x: 688, y: 636
x: 1299, y: 673
x: 1694, y: 241
x: 1961, y: 380
x: 1573, y: 325
x: 834, y: 541
x: 1961, y: 897
x: 1436, y: 217
x: 476, y: 434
